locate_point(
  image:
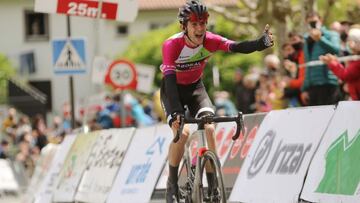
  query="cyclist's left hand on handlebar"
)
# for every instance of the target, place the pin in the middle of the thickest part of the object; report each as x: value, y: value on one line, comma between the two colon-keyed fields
x: 268, y: 36
x: 175, y: 125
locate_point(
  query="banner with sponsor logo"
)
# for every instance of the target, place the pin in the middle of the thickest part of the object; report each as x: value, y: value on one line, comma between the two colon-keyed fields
x: 334, y: 173
x: 236, y: 151
x: 103, y: 164
x: 74, y: 166
x: 7, y: 177
x: 43, y: 165
x: 47, y: 187
x: 142, y: 165
x: 275, y: 167
x: 161, y: 184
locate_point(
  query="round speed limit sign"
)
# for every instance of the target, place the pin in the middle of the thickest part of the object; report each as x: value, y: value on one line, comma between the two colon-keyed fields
x: 121, y: 75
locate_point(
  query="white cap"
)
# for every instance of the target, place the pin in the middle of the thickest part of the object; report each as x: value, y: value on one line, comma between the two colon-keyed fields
x: 354, y: 35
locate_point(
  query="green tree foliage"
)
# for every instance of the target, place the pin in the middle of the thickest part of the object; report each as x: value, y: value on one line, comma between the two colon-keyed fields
x: 229, y: 62
x: 6, y: 71
x: 147, y: 49
x: 334, y: 10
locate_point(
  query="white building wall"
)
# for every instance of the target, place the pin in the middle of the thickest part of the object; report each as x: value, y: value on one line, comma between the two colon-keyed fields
x: 101, y: 36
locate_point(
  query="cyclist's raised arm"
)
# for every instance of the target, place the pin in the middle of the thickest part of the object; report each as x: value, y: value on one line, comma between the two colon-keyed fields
x: 265, y: 41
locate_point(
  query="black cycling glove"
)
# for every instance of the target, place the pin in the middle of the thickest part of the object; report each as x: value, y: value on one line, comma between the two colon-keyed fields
x: 246, y: 47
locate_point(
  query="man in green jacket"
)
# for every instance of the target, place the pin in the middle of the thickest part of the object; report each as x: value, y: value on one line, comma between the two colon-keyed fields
x: 320, y: 86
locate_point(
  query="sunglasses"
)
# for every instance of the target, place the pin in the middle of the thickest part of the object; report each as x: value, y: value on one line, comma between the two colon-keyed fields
x: 195, y: 18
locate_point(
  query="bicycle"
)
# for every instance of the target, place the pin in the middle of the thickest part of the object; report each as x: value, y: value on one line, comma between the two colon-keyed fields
x: 193, y: 191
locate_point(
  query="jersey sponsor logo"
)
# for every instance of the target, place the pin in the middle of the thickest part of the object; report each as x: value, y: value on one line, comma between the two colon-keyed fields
x: 184, y: 57
x: 188, y: 66
x: 188, y: 55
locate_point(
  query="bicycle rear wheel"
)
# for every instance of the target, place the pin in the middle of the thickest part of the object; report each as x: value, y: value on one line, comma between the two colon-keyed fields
x: 217, y: 193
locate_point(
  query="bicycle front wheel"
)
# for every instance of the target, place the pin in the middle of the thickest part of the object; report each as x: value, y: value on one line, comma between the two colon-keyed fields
x: 186, y: 180
x: 215, y: 192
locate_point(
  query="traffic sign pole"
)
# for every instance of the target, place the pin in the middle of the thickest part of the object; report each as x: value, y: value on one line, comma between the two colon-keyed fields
x: 71, y: 80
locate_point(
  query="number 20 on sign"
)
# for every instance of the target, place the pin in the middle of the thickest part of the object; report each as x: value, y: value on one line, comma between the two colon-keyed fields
x: 87, y: 8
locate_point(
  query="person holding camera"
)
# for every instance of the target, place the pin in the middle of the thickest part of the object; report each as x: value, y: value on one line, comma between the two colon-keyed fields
x: 320, y: 85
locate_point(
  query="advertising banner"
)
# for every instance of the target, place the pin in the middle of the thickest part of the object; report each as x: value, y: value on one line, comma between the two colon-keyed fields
x: 74, y: 166
x: 43, y: 165
x: 223, y: 134
x: 161, y: 184
x: 103, y: 164
x: 141, y: 166
x: 236, y: 151
x: 47, y: 187
x: 275, y: 167
x: 7, y: 178
x: 334, y: 173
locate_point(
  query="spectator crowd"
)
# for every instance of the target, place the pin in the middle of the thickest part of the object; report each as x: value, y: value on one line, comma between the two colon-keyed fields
x: 290, y: 81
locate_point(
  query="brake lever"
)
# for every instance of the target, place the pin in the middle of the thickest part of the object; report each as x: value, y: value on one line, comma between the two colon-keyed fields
x: 239, y: 126
x: 179, y: 131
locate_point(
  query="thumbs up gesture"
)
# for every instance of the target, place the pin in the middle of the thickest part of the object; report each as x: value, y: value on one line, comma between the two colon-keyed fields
x: 268, y: 36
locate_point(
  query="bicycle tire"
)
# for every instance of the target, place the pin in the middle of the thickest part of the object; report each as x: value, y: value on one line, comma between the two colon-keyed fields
x: 199, y: 191
x: 186, y: 185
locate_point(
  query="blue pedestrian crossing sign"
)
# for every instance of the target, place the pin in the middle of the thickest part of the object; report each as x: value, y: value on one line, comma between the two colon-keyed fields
x: 69, y: 56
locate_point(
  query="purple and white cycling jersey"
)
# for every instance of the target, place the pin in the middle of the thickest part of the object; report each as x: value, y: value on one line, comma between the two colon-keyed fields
x: 186, y: 62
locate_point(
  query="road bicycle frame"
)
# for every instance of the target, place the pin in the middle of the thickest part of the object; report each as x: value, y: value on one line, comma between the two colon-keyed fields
x: 193, y: 189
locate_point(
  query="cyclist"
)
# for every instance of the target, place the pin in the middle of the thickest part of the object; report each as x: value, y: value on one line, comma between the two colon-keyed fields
x: 184, y: 58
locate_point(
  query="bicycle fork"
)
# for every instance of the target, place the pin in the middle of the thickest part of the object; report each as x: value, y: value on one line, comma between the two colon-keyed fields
x: 203, y: 147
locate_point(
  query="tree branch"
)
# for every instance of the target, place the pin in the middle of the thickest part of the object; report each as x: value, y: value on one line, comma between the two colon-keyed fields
x: 250, y: 19
x: 328, y: 10
x: 250, y: 4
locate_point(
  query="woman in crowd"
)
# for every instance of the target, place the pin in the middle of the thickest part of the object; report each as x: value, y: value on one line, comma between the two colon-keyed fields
x: 350, y: 74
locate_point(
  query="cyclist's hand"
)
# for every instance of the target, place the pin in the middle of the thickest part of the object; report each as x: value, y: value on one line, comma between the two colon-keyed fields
x: 175, y: 121
x: 268, y: 36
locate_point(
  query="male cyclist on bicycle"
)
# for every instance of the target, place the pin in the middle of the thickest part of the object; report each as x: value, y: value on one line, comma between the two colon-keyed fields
x: 184, y: 58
